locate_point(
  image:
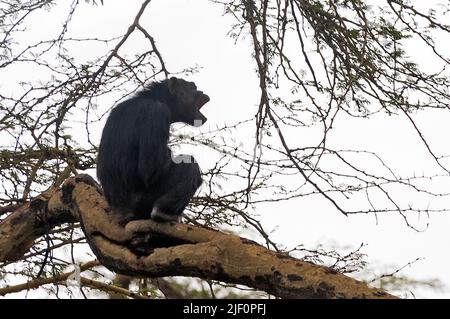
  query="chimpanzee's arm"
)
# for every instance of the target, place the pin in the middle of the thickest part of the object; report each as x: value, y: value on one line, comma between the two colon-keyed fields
x: 154, y: 154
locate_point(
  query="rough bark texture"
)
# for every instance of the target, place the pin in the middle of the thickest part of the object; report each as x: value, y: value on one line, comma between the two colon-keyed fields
x: 149, y: 249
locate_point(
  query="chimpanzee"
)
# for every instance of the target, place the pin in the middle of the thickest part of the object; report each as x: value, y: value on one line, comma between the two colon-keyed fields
x: 134, y: 164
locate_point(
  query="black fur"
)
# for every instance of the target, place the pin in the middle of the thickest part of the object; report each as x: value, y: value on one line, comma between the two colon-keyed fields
x: 134, y: 164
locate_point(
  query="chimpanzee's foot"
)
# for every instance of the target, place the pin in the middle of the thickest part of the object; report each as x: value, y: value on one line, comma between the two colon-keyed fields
x: 159, y: 216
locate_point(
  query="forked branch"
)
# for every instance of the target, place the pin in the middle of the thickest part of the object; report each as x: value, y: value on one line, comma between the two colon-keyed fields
x: 149, y: 249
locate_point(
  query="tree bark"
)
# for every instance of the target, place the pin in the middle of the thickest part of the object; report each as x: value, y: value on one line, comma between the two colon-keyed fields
x: 149, y: 249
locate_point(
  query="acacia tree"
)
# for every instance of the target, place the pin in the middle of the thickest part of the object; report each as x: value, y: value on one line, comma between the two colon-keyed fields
x: 315, y: 60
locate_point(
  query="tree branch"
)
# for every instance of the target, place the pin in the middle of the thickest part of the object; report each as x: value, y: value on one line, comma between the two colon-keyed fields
x: 148, y: 249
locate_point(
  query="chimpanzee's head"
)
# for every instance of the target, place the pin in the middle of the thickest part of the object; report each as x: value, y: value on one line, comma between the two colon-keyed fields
x: 187, y: 102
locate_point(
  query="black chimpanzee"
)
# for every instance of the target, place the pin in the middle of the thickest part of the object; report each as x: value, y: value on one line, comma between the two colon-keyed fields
x: 135, y: 166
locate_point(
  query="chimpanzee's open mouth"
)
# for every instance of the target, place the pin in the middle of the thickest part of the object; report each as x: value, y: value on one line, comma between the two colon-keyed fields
x: 202, y: 99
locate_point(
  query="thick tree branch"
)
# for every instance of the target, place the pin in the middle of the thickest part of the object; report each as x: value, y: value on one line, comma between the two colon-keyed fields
x: 149, y: 249
x: 30, y: 221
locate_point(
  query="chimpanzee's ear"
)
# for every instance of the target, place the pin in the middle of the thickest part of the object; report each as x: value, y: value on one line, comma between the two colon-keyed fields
x: 172, y: 84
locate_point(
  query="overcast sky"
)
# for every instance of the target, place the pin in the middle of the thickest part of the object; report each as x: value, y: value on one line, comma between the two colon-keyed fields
x: 190, y: 33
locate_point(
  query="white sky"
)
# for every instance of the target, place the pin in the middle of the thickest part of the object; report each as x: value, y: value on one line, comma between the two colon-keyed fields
x: 193, y: 32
